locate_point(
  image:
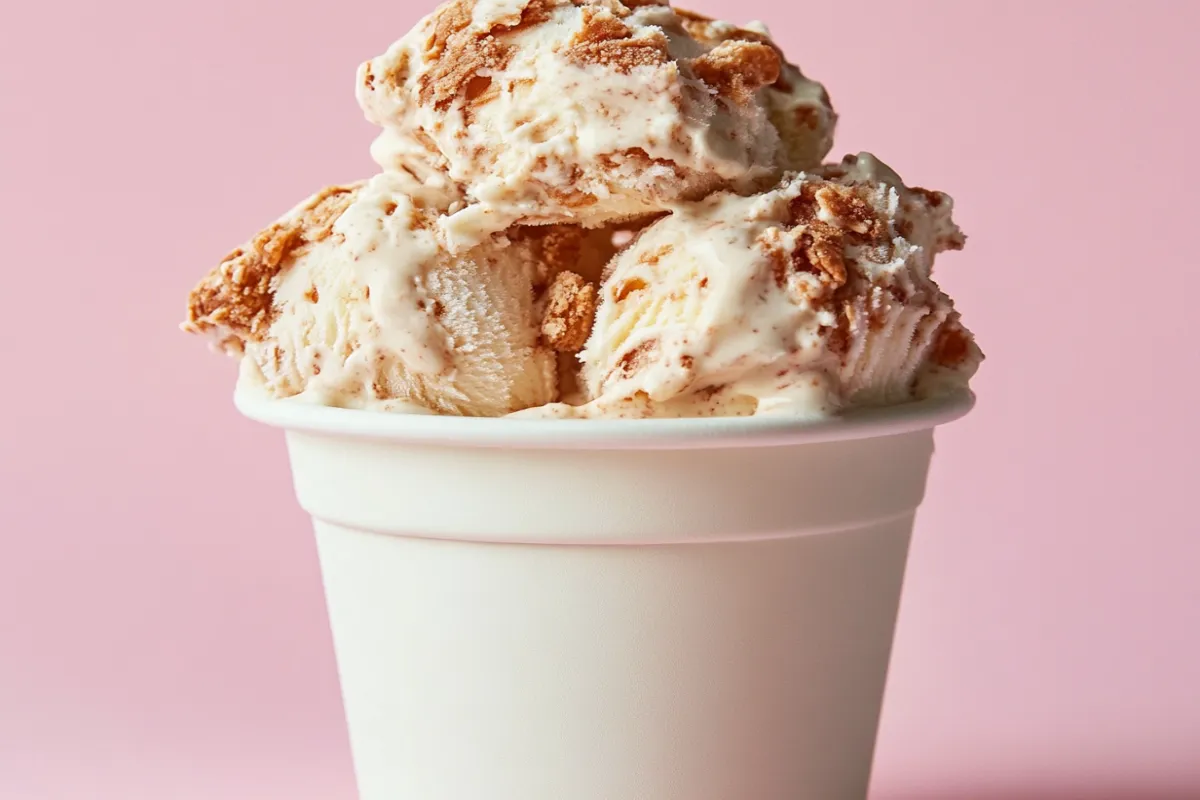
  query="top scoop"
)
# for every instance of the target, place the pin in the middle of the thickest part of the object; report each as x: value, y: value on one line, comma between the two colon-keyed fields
x: 554, y: 111
x: 596, y: 208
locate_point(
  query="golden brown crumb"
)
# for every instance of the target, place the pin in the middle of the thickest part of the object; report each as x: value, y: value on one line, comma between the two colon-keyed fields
x: 607, y: 41
x: 737, y: 69
x: 823, y: 244
x: 952, y: 347
x: 849, y: 210
x: 626, y: 288
x: 652, y: 258
x: 553, y: 249
x: 633, y: 360
x: 535, y: 12
x: 821, y: 255
x: 838, y: 340
x: 457, y: 54
x: 570, y: 312
x: 238, y: 295
x: 478, y: 92
x: 560, y: 247
x: 442, y: 85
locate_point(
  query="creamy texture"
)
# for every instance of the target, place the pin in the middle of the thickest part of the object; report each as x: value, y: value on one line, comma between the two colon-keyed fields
x: 586, y: 112
x: 375, y: 313
x: 801, y: 301
x: 798, y: 106
x: 596, y: 208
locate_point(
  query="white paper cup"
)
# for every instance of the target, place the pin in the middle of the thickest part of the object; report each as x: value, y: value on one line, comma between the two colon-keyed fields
x: 611, y: 610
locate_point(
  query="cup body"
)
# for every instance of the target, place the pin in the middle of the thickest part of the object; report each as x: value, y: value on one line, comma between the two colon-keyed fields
x: 670, y: 618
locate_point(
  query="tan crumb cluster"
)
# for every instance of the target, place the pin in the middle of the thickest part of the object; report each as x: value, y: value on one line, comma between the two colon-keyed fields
x: 605, y: 40
x: 712, y: 32
x: 737, y: 69
x: 822, y: 244
x: 953, y: 345
x: 556, y: 249
x: 461, y: 54
x: 237, y: 296
x: 457, y: 55
x: 570, y: 312
x: 715, y: 34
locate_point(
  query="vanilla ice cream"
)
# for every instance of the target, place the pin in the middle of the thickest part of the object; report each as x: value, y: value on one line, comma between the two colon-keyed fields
x: 802, y: 300
x: 351, y: 301
x: 588, y: 112
x: 596, y: 208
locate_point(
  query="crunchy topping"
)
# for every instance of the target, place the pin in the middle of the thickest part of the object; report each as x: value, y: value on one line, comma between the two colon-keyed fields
x: 238, y: 295
x: 822, y: 244
x: 570, y: 312
x: 737, y: 69
x: 607, y: 41
x: 826, y: 218
x: 553, y: 248
x: 821, y: 255
x: 838, y: 339
x: 457, y: 54
x: 952, y: 347
x: 849, y: 210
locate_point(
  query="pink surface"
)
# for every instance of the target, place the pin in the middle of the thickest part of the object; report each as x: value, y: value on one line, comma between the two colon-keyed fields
x: 162, y: 628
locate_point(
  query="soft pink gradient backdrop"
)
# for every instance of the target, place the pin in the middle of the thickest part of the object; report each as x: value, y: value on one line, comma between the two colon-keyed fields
x: 162, y: 628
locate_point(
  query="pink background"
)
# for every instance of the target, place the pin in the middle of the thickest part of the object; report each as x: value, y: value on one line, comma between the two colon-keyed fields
x: 162, y: 628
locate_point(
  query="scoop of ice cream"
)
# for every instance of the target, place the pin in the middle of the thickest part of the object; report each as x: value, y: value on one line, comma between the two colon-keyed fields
x: 352, y: 300
x: 803, y: 300
x: 580, y: 111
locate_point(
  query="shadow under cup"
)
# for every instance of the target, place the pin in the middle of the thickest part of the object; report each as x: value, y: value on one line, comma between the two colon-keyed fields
x: 611, y: 609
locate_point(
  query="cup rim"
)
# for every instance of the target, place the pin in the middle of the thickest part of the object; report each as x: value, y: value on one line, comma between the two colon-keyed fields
x: 602, y: 434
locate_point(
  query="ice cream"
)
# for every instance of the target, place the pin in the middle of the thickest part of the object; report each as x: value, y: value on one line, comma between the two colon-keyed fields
x: 593, y: 208
x: 586, y: 111
x: 801, y: 301
x: 350, y: 300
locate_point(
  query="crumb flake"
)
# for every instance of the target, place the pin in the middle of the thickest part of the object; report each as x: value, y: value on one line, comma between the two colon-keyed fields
x: 570, y: 312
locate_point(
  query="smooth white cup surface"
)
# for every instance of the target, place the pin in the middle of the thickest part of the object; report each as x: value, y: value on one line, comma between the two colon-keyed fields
x: 613, y: 610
